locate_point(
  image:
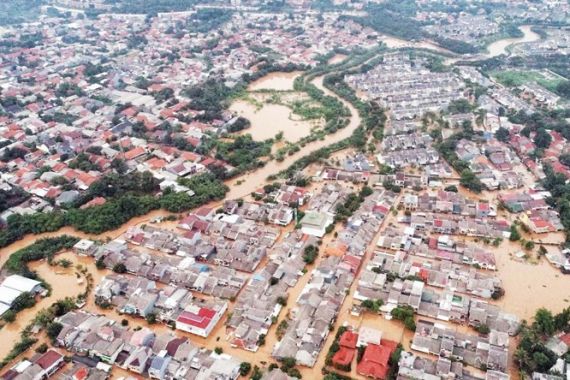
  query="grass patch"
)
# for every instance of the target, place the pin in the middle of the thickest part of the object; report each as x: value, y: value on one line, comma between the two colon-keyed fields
x: 515, y: 78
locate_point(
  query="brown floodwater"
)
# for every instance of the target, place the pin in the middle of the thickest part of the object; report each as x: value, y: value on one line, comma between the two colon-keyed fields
x: 279, y: 81
x: 270, y: 119
x: 64, y: 284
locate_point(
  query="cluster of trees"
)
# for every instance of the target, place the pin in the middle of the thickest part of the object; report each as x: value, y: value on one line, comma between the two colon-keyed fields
x: 12, y: 197
x: 446, y: 149
x: 67, y: 89
x: 310, y: 254
x: 41, y: 249
x: 127, y: 197
x: 560, y: 190
x: 460, y: 106
x: 456, y: 46
x: 406, y: 315
x: 152, y: 8
x: 239, y: 124
x: 532, y: 354
x: 18, y: 11
x: 351, y: 204
x: 208, y: 19
x: 392, y: 18
x: 243, y: 152
x: 206, y: 188
x: 372, y: 305
x: 288, y: 366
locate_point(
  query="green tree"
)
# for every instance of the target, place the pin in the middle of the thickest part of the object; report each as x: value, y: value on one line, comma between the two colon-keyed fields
x: 244, y: 368
x: 544, y: 322
x: 502, y: 134
x: 515, y: 235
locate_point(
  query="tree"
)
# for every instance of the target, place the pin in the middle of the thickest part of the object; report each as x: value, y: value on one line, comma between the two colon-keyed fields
x: 502, y: 134
x: 53, y: 330
x: 470, y: 181
x: 451, y: 188
x: 150, y: 318
x: 9, y: 316
x: 119, y: 268
x: 542, y: 139
x: 544, y: 322
x: 515, y: 235
x: 119, y: 165
x: 23, y: 301
x: 310, y: 254
x: 483, y: 329
x: 244, y: 368
x: 100, y: 263
x: 218, y: 350
x: 42, y: 348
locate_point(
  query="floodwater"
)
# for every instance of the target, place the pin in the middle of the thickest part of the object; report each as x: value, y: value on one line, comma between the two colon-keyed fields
x: 493, y: 50
x: 529, y: 284
x: 271, y: 119
x: 500, y: 47
x: 278, y: 81
x: 64, y: 284
x: 248, y: 183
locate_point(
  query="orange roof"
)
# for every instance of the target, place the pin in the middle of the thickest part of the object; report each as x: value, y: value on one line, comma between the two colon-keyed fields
x: 374, y: 362
x: 134, y: 153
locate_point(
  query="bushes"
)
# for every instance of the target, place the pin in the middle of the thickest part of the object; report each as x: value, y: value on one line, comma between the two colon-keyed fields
x: 244, y: 368
x: 41, y: 249
x: 125, y: 204
x: 310, y: 254
x: 372, y: 305
x: 406, y: 315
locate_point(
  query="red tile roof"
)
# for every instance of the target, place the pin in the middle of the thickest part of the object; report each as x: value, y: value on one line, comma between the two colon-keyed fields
x: 343, y: 356
x: 200, y: 320
x: 374, y: 362
x: 48, y: 359
x: 348, y: 339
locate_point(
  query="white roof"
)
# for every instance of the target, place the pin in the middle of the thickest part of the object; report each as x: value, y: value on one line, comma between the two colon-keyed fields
x: 20, y: 283
x: 8, y: 295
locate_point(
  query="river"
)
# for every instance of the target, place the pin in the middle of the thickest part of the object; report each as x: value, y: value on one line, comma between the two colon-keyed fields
x: 494, y: 49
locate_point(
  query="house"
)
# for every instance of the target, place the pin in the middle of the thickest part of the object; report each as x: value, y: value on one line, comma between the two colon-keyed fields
x: 343, y: 358
x: 315, y: 223
x: 200, y: 320
x: 159, y: 365
x: 375, y: 361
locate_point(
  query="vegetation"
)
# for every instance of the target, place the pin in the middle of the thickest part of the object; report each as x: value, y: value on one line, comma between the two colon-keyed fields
x: 393, y: 18
x: 372, y: 305
x: 127, y: 197
x: 18, y: 11
x: 406, y: 315
x: 515, y: 78
x: 532, y: 354
x: 41, y: 249
x: 244, y: 368
x: 351, y: 204
x: 310, y: 254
